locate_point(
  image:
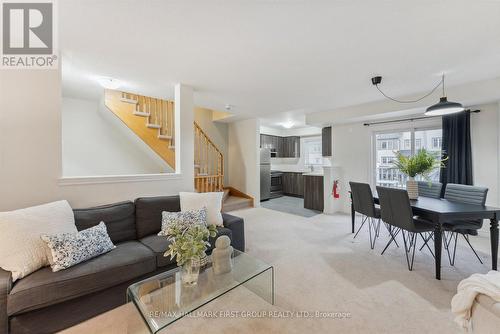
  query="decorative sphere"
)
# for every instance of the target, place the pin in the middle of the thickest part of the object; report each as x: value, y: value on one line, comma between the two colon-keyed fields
x: 222, y: 242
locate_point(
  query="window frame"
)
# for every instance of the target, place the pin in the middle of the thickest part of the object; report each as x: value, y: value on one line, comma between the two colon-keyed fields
x: 425, y: 126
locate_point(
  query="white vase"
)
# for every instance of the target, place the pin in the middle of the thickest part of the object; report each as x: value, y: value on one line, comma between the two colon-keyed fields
x: 412, y: 188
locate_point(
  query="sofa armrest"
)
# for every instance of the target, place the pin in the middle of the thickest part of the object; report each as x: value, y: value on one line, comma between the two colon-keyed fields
x: 237, y: 227
x: 5, y: 287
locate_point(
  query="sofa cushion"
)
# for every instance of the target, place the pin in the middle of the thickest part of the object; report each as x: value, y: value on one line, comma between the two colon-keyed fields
x: 148, y: 213
x: 118, y: 217
x: 128, y: 260
x: 158, y: 245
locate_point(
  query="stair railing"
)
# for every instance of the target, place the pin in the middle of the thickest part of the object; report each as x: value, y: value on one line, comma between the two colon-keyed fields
x: 208, y: 163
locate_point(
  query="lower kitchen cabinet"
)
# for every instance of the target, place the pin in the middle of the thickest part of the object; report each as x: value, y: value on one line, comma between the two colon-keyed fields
x: 293, y: 184
x: 313, y: 192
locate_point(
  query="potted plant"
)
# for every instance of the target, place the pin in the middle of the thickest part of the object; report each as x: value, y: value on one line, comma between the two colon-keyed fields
x: 422, y: 163
x: 188, y: 245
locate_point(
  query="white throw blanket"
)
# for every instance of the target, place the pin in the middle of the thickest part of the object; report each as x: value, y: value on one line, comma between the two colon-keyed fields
x: 468, y: 289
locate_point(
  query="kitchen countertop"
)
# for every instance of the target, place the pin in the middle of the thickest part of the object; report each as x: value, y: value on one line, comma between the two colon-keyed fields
x: 313, y: 174
x: 303, y: 172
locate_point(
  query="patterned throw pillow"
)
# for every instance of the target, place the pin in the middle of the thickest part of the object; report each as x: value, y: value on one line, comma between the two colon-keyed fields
x: 69, y: 249
x: 182, y: 220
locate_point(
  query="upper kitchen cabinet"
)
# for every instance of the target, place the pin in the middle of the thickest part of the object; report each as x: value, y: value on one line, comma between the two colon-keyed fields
x: 326, y: 141
x: 285, y: 147
x: 291, y: 147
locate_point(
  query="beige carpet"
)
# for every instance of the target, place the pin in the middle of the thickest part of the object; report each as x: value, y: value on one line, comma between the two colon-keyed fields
x: 319, y: 267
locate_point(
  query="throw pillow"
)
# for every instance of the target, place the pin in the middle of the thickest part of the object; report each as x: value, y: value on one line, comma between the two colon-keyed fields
x: 182, y: 220
x: 21, y: 249
x: 69, y: 249
x: 212, y: 201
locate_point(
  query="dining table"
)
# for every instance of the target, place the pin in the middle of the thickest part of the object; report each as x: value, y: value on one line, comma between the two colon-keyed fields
x: 440, y: 211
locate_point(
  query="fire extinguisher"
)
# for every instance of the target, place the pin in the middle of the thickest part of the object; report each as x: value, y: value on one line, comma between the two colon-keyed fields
x: 335, y: 190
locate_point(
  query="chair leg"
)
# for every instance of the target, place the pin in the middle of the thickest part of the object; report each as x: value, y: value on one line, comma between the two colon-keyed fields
x: 467, y: 239
x: 426, y: 244
x: 378, y: 228
x: 372, y: 225
x: 454, y: 248
x: 359, y: 229
x: 406, y: 248
x: 389, y: 228
x: 413, y: 253
x: 393, y: 238
x: 427, y: 238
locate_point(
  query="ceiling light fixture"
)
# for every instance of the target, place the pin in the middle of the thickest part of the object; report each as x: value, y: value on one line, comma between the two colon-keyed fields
x: 443, y: 107
x: 288, y: 124
x: 109, y: 83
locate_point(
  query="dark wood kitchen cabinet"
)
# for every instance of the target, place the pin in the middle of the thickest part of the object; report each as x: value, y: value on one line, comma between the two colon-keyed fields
x: 293, y: 184
x: 313, y: 192
x: 285, y: 147
x: 291, y: 147
x: 326, y: 141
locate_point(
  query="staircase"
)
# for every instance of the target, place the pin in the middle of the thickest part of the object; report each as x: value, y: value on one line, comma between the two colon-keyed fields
x: 208, y: 163
x: 151, y: 119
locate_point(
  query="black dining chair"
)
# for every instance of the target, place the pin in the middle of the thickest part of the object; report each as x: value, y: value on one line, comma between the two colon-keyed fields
x: 463, y: 194
x: 362, y: 201
x: 396, y: 210
x: 430, y: 189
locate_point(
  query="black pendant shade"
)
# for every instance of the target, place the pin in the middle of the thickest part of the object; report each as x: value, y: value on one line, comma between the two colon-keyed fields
x: 444, y: 107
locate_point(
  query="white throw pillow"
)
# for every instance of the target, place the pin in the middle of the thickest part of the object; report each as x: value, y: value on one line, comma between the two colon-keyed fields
x: 21, y: 249
x: 196, y: 201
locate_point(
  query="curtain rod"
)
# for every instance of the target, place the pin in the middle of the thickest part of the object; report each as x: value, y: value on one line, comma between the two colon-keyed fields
x: 413, y: 119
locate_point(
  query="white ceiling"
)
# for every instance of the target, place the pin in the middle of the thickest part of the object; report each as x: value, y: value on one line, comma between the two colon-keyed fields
x: 269, y: 56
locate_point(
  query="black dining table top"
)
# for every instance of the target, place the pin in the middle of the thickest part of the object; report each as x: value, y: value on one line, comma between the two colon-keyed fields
x: 446, y: 207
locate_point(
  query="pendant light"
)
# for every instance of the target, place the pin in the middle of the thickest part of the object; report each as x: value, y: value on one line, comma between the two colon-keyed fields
x: 444, y: 107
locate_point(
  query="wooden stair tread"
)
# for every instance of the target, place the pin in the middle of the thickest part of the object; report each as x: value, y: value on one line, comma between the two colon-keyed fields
x: 225, y: 196
x: 233, y: 203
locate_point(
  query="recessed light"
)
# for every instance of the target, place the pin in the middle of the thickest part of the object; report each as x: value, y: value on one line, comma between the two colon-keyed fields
x: 109, y: 83
x: 288, y: 124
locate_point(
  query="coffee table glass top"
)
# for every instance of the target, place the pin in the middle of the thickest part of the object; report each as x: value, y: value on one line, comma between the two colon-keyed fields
x: 163, y: 299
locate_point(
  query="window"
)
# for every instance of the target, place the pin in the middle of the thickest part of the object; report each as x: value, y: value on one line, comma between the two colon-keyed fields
x: 311, y: 148
x: 436, y: 142
x: 387, y: 144
x: 418, y: 143
x: 407, y: 144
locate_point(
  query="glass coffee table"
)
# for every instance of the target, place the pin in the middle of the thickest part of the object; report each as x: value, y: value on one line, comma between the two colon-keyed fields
x: 163, y: 299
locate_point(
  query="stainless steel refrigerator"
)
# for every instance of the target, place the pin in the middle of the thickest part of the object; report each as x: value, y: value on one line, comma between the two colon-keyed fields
x: 265, y: 174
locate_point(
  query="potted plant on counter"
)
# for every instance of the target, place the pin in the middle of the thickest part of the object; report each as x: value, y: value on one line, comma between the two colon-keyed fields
x: 422, y: 163
x: 188, y: 245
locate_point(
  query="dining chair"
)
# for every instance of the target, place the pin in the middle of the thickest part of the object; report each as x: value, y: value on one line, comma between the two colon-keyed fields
x: 363, y: 203
x: 396, y: 210
x: 430, y: 189
x: 463, y: 194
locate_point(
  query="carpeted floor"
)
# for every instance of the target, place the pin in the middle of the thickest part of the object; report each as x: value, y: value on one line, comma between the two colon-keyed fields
x: 319, y: 267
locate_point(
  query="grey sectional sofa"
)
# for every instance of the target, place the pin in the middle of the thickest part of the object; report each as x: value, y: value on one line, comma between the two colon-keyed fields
x: 45, y: 302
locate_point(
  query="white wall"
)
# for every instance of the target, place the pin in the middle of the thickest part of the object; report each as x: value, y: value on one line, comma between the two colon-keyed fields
x: 352, y: 150
x: 243, y: 154
x: 30, y: 147
x: 96, y: 142
x: 485, y: 150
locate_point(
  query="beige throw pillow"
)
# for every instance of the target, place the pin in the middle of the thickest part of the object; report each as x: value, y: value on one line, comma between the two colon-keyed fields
x: 22, y: 251
x: 211, y: 201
